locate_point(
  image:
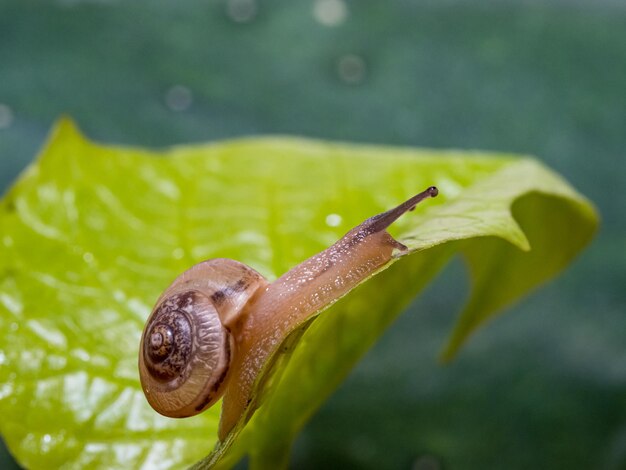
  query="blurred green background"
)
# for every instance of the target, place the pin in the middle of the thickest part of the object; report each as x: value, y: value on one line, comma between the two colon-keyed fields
x: 541, y: 387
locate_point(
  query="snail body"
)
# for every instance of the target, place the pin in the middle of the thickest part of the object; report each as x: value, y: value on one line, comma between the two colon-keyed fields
x: 214, y: 328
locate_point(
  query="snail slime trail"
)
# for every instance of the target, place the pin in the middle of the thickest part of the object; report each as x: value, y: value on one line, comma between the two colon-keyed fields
x: 214, y: 328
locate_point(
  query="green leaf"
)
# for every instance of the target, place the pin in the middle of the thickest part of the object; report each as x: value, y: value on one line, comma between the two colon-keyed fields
x: 90, y: 236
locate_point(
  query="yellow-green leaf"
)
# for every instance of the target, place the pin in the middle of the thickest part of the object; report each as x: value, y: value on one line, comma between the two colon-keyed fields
x: 90, y: 235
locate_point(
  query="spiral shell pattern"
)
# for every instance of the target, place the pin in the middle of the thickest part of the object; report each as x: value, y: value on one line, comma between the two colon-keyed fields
x: 184, y: 355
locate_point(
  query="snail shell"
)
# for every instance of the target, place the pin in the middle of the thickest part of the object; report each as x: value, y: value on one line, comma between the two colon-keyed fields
x: 187, y: 344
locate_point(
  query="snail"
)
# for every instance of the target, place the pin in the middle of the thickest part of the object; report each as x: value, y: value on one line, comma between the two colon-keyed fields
x: 215, y: 327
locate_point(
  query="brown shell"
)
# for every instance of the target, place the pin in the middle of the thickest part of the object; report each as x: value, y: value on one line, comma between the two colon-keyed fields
x: 186, y: 346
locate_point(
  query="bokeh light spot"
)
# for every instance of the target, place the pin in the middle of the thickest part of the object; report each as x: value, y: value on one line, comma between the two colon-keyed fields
x: 351, y: 69
x: 333, y: 220
x: 6, y: 116
x: 178, y: 98
x: 330, y: 12
x: 241, y: 11
x: 427, y: 462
